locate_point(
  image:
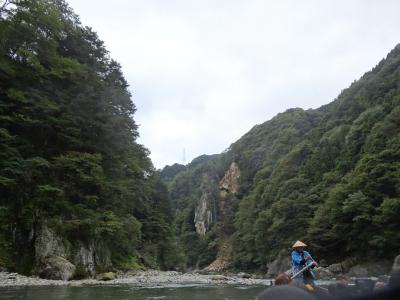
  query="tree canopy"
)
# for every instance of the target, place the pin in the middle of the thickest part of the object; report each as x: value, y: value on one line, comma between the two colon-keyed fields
x: 68, y: 143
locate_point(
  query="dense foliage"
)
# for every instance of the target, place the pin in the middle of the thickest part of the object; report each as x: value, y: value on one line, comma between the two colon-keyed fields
x: 67, y: 144
x: 330, y: 176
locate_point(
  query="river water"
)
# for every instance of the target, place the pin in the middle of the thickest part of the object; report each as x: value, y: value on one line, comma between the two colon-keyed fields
x: 132, y: 293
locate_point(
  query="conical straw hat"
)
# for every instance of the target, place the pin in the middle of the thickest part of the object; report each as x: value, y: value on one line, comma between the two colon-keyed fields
x: 299, y: 244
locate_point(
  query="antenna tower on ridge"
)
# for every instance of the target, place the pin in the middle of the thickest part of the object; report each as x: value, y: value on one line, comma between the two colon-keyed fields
x: 184, y: 156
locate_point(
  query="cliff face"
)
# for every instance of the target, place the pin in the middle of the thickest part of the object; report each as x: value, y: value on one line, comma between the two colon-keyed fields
x: 211, y: 205
x: 58, y: 258
x: 230, y: 182
x: 205, y: 213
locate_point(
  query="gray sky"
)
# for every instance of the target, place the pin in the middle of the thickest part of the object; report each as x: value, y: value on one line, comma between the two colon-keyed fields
x: 203, y: 72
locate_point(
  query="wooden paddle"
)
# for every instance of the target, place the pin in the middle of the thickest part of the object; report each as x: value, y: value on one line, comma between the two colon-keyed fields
x: 302, y: 270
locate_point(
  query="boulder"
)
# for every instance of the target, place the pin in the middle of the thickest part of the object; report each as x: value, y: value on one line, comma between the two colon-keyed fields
x: 378, y: 268
x: 336, y: 269
x: 370, y: 269
x: 106, y: 276
x: 396, y: 264
x: 279, y: 265
x: 57, y: 268
x: 243, y: 275
x: 323, y: 273
x: 358, y: 271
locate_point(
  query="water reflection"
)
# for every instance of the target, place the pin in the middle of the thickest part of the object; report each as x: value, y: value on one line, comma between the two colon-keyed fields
x: 130, y: 293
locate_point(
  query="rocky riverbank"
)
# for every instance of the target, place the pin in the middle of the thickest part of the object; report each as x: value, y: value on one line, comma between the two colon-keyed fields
x: 150, y: 278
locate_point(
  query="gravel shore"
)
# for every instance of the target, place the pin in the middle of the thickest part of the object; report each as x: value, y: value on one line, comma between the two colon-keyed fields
x: 150, y: 278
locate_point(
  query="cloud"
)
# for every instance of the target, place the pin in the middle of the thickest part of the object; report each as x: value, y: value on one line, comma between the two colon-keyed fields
x: 202, y: 73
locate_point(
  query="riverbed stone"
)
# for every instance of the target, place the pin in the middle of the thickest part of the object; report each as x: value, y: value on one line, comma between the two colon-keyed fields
x: 244, y: 275
x: 336, y: 268
x: 219, y: 277
x: 358, y: 271
x: 56, y: 268
x: 279, y: 265
x: 323, y: 273
x: 106, y: 276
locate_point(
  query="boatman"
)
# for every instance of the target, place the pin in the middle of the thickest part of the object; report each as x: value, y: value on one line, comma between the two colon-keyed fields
x: 300, y: 260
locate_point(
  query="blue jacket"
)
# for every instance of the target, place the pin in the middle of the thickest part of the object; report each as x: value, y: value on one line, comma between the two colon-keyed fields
x: 298, y: 263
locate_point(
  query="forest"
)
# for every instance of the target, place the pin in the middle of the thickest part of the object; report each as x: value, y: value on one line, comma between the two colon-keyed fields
x: 68, y: 155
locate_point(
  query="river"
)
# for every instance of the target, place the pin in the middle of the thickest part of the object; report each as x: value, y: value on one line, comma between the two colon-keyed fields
x: 201, y: 292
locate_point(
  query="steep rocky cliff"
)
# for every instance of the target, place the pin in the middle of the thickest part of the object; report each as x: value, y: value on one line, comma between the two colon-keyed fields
x: 58, y: 258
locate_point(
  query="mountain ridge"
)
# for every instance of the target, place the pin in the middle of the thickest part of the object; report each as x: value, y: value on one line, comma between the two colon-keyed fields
x: 302, y: 158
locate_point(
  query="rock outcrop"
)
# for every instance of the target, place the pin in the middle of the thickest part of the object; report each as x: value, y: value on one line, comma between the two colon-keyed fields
x: 230, y: 181
x: 229, y: 184
x: 205, y: 213
x: 48, y: 243
x: 56, y: 268
x: 57, y: 258
x: 84, y: 257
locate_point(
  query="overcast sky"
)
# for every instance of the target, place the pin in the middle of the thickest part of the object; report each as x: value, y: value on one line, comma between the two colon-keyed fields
x: 204, y: 72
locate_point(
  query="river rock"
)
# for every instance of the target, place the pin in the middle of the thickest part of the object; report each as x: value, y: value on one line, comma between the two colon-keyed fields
x: 56, y: 268
x: 219, y: 277
x: 106, y: 276
x: 279, y: 265
x: 323, y: 273
x: 244, y: 275
x: 370, y: 269
x: 358, y: 271
x: 336, y: 268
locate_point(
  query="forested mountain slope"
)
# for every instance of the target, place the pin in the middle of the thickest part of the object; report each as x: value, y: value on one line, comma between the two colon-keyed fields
x: 75, y: 186
x: 330, y: 176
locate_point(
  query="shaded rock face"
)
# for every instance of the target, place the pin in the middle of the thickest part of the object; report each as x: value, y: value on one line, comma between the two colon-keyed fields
x: 229, y: 184
x: 230, y: 181
x: 102, y: 256
x: 47, y: 243
x: 56, y: 268
x: 85, y: 257
x: 204, y: 214
x: 56, y: 257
